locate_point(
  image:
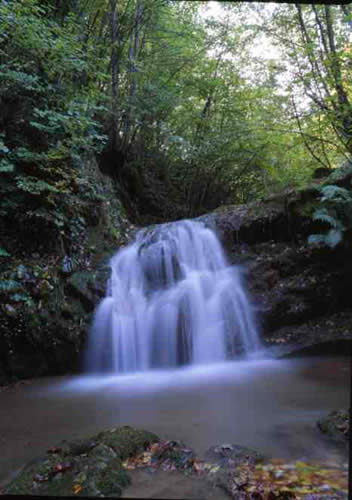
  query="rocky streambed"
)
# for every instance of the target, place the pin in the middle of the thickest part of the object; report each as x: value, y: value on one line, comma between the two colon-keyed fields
x: 113, y: 463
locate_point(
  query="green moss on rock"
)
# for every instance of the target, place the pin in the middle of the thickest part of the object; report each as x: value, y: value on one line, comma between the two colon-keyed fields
x: 126, y: 441
x: 88, y: 467
x: 336, y: 425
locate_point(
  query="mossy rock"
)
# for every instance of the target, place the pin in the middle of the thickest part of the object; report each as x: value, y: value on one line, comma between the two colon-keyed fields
x: 127, y: 441
x: 112, y: 479
x: 336, y: 425
x: 89, y: 467
x: 78, y: 286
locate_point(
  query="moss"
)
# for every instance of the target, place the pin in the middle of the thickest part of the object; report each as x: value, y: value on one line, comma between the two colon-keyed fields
x: 112, y: 479
x: 127, y: 441
x: 307, y: 209
x: 78, y: 447
x: 94, y: 466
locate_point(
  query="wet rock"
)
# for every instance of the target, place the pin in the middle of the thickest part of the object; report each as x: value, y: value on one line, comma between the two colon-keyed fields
x: 78, y: 447
x: 329, y: 334
x: 103, y: 452
x: 252, y: 223
x: 336, y: 425
x: 126, y: 441
x: 88, y: 467
x: 235, y: 463
x: 225, y: 454
x: 77, y: 285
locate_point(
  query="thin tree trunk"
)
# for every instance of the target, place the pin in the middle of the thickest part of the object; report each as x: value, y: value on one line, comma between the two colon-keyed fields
x: 115, y: 72
x: 316, y: 71
x: 134, y: 48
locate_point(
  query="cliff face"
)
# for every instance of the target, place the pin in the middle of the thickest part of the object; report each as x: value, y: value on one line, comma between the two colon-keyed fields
x: 301, y: 293
x: 49, y: 286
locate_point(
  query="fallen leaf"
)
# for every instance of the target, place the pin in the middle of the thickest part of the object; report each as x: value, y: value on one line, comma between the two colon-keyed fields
x: 77, y: 488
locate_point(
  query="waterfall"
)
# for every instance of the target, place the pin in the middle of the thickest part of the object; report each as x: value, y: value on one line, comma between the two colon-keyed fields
x: 172, y: 299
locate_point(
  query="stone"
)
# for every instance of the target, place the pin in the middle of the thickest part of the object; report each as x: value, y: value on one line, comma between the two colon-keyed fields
x: 77, y: 285
x: 336, y: 425
x: 225, y: 453
x: 89, y: 463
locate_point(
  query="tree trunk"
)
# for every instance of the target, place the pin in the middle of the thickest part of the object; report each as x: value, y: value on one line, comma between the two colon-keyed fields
x: 115, y: 73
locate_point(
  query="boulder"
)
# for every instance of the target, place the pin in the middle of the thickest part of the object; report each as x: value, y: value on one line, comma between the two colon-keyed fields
x: 91, y: 467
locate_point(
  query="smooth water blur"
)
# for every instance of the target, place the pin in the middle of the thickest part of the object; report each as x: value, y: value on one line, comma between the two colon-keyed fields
x: 269, y: 405
x: 172, y: 300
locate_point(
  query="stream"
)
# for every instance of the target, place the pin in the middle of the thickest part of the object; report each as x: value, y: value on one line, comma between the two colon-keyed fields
x: 269, y: 405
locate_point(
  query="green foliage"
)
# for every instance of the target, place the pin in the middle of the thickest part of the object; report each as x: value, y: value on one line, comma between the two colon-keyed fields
x: 323, y: 216
x: 34, y: 186
x: 4, y: 253
x: 340, y: 173
x: 185, y: 102
x: 23, y: 298
x: 9, y: 286
x: 335, y: 194
x: 336, y: 212
x: 50, y: 103
x: 331, y: 239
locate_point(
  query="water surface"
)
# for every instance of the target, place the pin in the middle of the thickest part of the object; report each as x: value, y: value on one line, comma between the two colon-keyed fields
x: 269, y: 405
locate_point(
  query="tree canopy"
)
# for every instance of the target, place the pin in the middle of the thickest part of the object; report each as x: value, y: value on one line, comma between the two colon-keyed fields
x: 214, y: 108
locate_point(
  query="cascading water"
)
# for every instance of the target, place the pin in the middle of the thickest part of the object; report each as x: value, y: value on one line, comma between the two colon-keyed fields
x: 172, y: 299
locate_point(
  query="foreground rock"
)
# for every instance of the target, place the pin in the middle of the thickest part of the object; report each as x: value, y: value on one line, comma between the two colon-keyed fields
x: 91, y: 467
x: 107, y: 463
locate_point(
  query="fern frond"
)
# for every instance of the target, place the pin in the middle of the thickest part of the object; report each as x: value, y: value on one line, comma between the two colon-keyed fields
x: 6, y: 166
x: 341, y: 172
x: 333, y: 238
x: 323, y: 216
x: 4, y: 253
x: 316, y: 239
x: 335, y: 194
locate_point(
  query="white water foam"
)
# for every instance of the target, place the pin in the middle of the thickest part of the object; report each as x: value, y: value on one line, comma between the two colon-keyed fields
x: 172, y: 299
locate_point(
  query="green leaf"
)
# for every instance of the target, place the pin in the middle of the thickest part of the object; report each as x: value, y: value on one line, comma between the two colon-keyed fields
x: 4, y: 253
x: 332, y: 193
x: 333, y: 238
x: 9, y: 286
x: 6, y: 166
x: 20, y: 297
x: 323, y: 216
x: 316, y: 239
